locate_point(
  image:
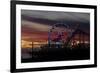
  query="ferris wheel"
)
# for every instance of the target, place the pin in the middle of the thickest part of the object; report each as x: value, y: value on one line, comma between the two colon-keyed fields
x: 68, y: 28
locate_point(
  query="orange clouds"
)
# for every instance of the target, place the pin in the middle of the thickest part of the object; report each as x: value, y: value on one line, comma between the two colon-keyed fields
x: 26, y: 44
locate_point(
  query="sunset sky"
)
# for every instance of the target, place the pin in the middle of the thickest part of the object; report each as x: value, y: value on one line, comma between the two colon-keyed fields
x: 35, y: 25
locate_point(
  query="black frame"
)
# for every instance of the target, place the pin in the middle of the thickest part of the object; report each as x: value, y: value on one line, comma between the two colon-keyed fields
x: 13, y: 35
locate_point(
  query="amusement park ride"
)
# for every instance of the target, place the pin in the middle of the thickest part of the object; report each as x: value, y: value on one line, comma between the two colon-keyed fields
x: 58, y: 40
x: 58, y: 48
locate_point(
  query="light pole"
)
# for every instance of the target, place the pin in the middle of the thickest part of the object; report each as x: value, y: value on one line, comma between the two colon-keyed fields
x: 49, y: 36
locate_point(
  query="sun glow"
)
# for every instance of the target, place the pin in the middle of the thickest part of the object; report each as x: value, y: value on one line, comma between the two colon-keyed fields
x: 34, y: 44
x: 26, y: 44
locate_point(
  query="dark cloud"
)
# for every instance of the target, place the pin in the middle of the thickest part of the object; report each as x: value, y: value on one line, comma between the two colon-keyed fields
x: 52, y: 17
x: 58, y: 16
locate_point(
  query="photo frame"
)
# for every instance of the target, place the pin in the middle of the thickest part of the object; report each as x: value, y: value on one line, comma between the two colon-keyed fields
x: 52, y: 36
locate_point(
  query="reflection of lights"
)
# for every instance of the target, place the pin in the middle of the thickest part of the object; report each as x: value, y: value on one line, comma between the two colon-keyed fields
x: 36, y: 44
x: 39, y: 44
x: 77, y: 42
x: 86, y: 42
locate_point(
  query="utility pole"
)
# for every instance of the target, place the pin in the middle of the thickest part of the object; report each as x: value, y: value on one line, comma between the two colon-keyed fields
x: 32, y: 49
x: 49, y: 34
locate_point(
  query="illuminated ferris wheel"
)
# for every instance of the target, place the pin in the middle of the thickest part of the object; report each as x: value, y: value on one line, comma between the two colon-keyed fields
x: 58, y: 39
